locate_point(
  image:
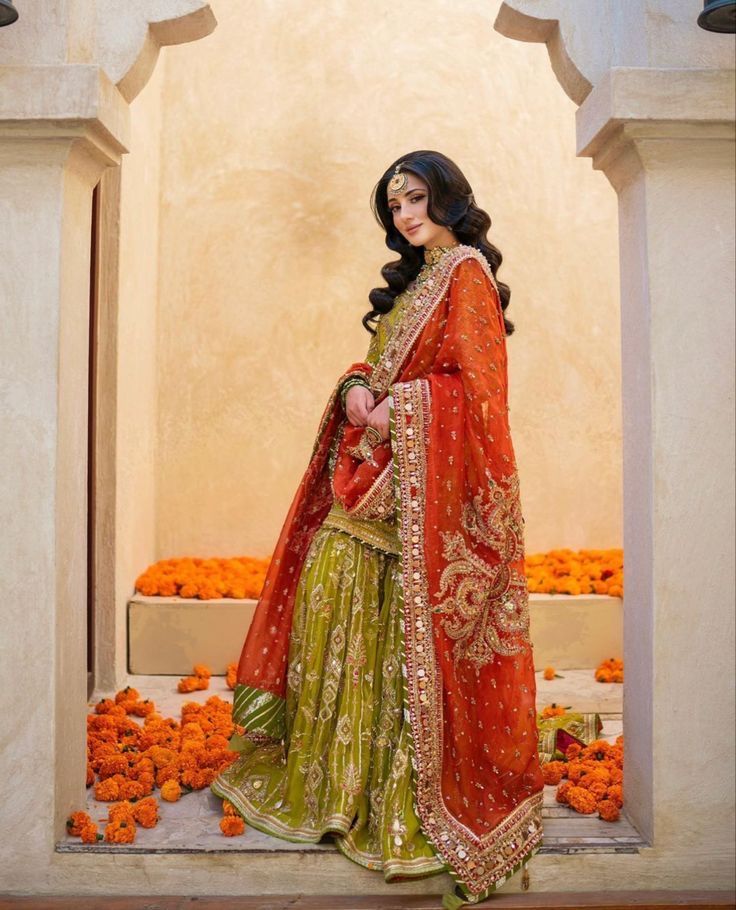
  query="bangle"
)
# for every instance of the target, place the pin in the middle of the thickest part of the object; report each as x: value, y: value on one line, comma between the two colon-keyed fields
x: 348, y: 384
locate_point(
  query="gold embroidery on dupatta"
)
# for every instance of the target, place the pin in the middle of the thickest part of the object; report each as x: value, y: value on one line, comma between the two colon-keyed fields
x: 486, y: 606
x: 478, y: 861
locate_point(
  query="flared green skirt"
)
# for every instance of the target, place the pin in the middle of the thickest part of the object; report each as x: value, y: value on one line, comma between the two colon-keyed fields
x: 344, y: 766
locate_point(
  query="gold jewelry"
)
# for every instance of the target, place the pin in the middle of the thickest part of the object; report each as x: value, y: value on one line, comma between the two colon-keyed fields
x: 398, y: 181
x: 374, y: 436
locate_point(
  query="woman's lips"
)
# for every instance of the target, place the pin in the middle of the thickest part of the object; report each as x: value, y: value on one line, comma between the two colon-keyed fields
x: 412, y: 229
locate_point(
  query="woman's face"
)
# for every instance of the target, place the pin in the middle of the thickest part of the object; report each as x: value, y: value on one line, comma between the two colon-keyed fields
x: 409, y: 210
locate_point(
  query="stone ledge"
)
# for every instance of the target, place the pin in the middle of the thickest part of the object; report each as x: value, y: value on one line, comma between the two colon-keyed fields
x: 168, y: 635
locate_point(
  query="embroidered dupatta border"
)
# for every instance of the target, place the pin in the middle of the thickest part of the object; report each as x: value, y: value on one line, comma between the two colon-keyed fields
x: 418, y: 314
x: 479, y: 864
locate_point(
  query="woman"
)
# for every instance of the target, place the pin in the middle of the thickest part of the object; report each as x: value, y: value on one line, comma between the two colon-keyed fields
x: 386, y: 685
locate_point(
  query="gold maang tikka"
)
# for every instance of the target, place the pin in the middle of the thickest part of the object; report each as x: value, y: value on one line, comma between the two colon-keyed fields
x: 398, y: 181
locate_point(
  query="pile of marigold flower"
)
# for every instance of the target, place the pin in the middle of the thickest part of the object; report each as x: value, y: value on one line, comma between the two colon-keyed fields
x: 576, y: 572
x: 561, y: 571
x: 590, y: 779
x: 127, y: 760
x: 239, y: 577
x: 610, y: 670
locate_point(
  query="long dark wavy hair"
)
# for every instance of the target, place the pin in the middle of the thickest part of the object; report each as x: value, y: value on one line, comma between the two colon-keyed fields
x: 450, y: 202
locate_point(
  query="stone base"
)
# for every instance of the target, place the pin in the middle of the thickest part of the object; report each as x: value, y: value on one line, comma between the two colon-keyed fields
x: 168, y: 635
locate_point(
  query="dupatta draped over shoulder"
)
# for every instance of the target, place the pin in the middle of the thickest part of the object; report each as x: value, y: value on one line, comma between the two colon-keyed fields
x: 469, y: 685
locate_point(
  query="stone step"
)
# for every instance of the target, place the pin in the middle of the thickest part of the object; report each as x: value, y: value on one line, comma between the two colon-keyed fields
x: 167, y: 635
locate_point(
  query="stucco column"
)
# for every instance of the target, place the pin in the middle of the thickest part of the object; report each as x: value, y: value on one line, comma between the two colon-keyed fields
x: 60, y: 127
x: 665, y: 140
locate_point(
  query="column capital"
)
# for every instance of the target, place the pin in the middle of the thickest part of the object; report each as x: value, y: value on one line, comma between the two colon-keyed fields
x: 634, y: 104
x: 65, y: 102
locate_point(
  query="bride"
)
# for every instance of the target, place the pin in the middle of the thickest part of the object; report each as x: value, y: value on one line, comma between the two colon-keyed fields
x: 386, y: 685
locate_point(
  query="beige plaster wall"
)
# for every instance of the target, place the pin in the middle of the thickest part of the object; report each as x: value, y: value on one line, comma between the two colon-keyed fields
x: 137, y: 379
x: 275, y: 129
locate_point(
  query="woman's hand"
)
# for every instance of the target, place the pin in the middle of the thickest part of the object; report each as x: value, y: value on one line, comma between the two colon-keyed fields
x: 358, y: 405
x: 378, y: 418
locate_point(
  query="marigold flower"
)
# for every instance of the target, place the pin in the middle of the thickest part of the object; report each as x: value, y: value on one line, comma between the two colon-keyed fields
x: 228, y: 808
x: 145, y: 812
x: 549, y: 672
x: 610, y: 670
x: 615, y: 794
x: 120, y: 832
x: 594, y: 785
x: 566, y: 571
x: 107, y: 790
x: 553, y: 710
x: 147, y: 782
x: 581, y: 800
x: 573, y: 751
x: 232, y: 825
x: 193, y: 683
x: 77, y: 821
x: 231, y: 675
x: 142, y: 708
x: 169, y: 772
x: 112, y: 765
x: 130, y: 789
x: 161, y: 757
x: 608, y: 810
x: 89, y: 834
x: 553, y: 772
x: 171, y: 791
x: 201, y: 670
x: 90, y: 777
x: 123, y: 810
x: 563, y: 790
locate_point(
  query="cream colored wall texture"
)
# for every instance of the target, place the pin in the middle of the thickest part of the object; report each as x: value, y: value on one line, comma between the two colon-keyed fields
x: 275, y: 129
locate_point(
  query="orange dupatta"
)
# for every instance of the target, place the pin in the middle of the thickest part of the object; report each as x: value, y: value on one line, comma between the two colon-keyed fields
x: 467, y: 658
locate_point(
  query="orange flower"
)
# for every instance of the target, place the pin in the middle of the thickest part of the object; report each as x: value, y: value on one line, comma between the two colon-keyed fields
x: 615, y: 795
x: 161, y: 757
x: 232, y: 825
x: 193, y: 683
x: 112, y: 765
x: 120, y: 832
x: 553, y: 710
x: 608, y: 810
x: 563, y: 790
x: 572, y: 751
x: 77, y: 821
x: 127, y: 694
x: 145, y: 812
x: 142, y: 708
x: 171, y: 791
x: 240, y: 577
x: 130, y: 789
x: 228, y: 808
x: 581, y: 800
x: 107, y: 790
x: 89, y: 834
x: 120, y: 811
x: 169, y: 772
x: 553, y: 772
x: 611, y: 670
x: 201, y: 670
x: 549, y: 672
x: 566, y: 571
x: 231, y: 676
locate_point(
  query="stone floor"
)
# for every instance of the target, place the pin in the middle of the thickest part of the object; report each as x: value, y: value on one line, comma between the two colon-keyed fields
x: 192, y: 824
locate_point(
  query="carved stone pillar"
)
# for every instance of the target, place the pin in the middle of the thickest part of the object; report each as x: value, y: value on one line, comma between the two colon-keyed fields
x: 656, y: 116
x: 70, y: 70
